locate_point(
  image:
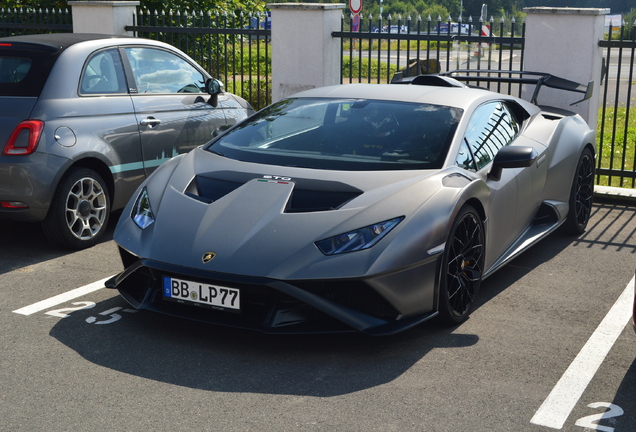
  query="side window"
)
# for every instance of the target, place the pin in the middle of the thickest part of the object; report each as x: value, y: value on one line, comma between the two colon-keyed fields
x: 103, y: 74
x: 491, y: 127
x: 159, y: 71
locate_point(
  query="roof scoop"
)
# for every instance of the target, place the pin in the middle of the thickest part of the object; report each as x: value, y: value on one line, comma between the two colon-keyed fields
x: 427, y: 80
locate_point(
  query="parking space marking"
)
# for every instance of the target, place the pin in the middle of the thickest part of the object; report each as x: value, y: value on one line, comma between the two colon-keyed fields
x: 556, y: 409
x: 61, y: 298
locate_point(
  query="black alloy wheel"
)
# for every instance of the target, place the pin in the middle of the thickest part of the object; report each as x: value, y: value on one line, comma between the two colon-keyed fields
x: 462, y: 267
x: 581, y: 194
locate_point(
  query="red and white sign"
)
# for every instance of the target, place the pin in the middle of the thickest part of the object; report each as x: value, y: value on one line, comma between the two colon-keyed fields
x: 355, y: 6
x: 355, y: 24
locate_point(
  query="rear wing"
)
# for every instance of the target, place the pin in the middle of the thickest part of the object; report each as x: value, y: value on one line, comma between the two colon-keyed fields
x: 539, y: 79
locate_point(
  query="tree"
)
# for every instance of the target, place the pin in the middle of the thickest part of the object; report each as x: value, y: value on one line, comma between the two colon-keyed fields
x: 176, y: 5
x: 205, y: 5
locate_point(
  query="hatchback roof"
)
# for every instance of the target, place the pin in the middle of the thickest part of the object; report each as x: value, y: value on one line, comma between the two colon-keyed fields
x: 57, y: 40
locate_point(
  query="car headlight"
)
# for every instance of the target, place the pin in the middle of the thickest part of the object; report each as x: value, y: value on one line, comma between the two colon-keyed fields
x: 142, y: 212
x: 362, y: 238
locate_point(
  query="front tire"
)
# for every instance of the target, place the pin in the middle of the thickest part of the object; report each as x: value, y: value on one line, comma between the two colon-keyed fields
x: 79, y: 212
x: 462, y: 267
x: 581, y: 194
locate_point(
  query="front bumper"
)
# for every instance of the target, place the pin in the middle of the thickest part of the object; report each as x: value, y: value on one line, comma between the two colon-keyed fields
x: 270, y: 305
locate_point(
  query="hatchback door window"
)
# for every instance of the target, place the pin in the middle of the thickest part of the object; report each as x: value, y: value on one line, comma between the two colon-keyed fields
x: 158, y: 71
x: 103, y: 74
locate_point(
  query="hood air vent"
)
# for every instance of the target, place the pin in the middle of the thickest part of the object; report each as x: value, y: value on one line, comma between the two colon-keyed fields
x: 209, y: 190
x: 303, y: 200
x: 309, y: 195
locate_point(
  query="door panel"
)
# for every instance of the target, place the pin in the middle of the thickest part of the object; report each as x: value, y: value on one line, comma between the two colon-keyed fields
x: 173, y: 124
x: 171, y: 105
x: 490, y: 128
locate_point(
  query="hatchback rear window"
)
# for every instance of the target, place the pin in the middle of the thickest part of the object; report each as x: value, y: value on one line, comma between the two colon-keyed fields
x: 24, y: 68
x: 13, y: 69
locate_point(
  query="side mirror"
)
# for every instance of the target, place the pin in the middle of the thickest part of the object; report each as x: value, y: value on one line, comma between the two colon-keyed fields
x: 511, y: 157
x: 214, y: 87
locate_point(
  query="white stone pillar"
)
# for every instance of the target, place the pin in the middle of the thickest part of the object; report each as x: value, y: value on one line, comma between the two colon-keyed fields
x: 304, y: 54
x: 564, y: 43
x: 104, y: 17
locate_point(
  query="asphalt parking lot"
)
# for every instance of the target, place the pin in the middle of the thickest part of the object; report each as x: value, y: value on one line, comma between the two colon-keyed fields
x: 548, y: 348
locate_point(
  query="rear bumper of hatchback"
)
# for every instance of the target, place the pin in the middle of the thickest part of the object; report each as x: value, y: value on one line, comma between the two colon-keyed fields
x: 30, y: 180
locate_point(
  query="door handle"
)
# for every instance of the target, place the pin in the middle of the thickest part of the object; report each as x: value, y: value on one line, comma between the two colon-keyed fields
x: 150, y: 122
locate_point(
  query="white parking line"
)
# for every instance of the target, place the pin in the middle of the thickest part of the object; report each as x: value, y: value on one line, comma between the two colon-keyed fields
x: 559, y: 404
x: 61, y: 298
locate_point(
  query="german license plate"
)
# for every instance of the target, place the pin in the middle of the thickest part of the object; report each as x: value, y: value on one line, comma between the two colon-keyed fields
x: 217, y: 297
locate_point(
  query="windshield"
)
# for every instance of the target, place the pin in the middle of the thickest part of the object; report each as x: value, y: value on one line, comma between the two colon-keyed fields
x: 343, y: 134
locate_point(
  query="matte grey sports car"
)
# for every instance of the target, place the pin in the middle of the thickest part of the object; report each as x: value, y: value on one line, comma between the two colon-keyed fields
x: 356, y: 207
x: 84, y: 119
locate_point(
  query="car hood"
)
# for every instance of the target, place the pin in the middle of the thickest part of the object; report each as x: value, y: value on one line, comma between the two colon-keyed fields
x: 255, y: 228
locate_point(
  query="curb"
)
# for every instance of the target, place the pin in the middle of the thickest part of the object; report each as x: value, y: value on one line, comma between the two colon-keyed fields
x: 614, y: 194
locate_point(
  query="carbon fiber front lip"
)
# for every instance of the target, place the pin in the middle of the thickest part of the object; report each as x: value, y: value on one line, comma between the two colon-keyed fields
x: 342, y: 318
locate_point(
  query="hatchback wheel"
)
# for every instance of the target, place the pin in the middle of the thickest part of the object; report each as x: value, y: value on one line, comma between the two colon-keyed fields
x: 79, y: 212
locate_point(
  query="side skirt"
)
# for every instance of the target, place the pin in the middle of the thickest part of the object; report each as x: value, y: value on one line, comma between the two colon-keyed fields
x: 550, y: 216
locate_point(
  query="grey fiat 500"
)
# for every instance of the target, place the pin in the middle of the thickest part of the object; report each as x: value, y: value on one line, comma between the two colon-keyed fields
x: 84, y: 119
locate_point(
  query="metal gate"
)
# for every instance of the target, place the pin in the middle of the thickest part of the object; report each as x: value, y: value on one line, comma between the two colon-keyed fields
x: 616, y: 130
x: 373, y: 51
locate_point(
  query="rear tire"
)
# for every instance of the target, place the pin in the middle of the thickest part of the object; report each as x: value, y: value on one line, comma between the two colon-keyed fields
x: 79, y: 212
x: 581, y: 194
x: 462, y: 267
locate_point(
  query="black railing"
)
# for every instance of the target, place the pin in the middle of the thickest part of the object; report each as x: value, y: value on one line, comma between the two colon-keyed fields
x: 21, y: 21
x: 616, y: 130
x: 375, y: 54
x: 233, y: 48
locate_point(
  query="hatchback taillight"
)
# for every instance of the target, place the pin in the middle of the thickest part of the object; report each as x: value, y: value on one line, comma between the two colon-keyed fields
x: 24, y: 138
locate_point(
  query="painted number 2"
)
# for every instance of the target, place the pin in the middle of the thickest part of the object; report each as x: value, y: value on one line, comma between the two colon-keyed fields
x: 590, y: 421
x: 64, y: 313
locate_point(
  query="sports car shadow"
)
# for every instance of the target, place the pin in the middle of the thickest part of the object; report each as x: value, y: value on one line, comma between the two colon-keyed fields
x: 206, y: 357
x: 611, y: 227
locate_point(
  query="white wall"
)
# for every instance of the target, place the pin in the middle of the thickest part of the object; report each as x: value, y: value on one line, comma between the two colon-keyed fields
x: 304, y: 54
x: 105, y: 17
x: 564, y: 42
